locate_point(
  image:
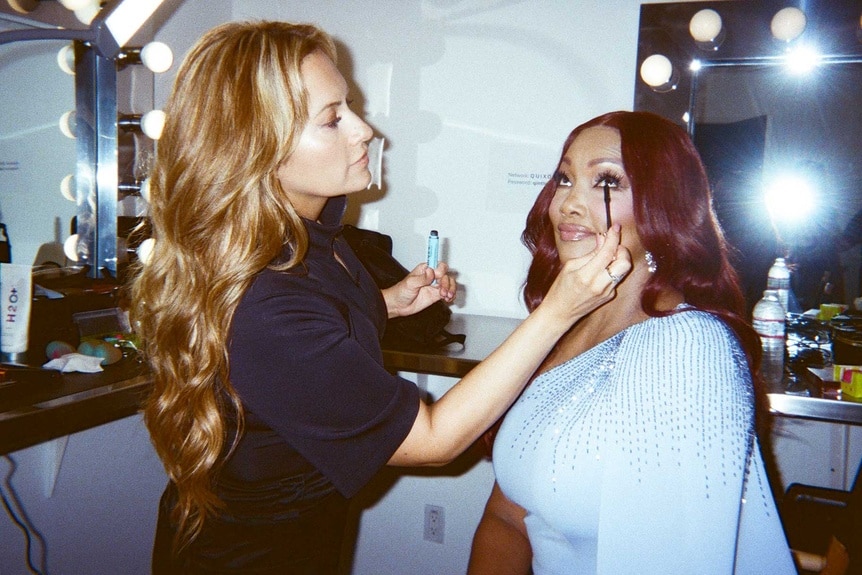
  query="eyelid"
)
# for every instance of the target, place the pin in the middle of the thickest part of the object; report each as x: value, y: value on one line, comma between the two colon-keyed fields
x: 558, y: 180
x: 613, y: 179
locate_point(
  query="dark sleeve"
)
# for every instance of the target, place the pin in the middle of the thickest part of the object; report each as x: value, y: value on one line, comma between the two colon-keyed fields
x: 311, y: 368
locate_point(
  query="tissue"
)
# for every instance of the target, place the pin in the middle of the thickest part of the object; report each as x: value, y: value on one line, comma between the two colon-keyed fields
x: 375, y: 162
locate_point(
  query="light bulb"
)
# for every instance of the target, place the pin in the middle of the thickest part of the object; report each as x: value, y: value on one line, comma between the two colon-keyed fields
x: 68, y: 123
x: 788, y: 24
x: 152, y: 124
x: 67, y: 188
x: 656, y: 71
x: 23, y: 6
x: 157, y: 56
x: 86, y: 14
x: 145, y: 250
x: 66, y: 59
x: 705, y: 26
x: 70, y: 247
x: 145, y: 190
x: 74, y: 4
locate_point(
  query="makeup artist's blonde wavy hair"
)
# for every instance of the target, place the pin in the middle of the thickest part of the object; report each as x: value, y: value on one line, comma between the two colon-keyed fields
x: 219, y: 217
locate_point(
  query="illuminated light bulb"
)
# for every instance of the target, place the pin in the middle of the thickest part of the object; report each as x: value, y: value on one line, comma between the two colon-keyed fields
x: 74, y: 4
x: 145, y: 190
x: 23, y: 6
x: 152, y: 124
x: 145, y: 250
x: 790, y: 198
x: 70, y: 247
x: 788, y: 24
x: 658, y: 73
x: 86, y: 14
x: 67, y: 188
x: 705, y: 26
x: 157, y: 57
x: 66, y: 59
x: 68, y: 123
x: 802, y: 60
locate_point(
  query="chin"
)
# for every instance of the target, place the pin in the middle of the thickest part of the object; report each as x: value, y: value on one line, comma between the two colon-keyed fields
x: 570, y: 252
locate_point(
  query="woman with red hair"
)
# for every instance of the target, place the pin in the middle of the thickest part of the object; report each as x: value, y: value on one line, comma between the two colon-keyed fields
x: 634, y: 448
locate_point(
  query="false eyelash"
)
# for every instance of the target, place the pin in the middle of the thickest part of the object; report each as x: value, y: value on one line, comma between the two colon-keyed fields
x: 558, y: 177
x: 609, y: 177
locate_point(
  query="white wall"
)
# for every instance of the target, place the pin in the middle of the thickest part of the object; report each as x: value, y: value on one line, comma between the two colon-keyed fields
x: 93, y: 496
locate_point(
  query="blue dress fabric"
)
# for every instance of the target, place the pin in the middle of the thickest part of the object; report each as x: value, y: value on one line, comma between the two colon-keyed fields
x: 639, y: 456
x: 322, y: 415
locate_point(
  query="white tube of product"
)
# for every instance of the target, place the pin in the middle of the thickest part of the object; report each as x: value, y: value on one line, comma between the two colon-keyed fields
x: 433, y: 249
x: 16, y: 289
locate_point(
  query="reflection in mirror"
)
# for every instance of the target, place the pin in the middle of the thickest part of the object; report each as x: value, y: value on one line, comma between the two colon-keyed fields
x: 780, y: 142
x: 35, y: 156
x: 781, y: 149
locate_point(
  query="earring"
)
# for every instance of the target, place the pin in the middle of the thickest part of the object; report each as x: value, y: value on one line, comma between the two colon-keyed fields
x: 652, y: 266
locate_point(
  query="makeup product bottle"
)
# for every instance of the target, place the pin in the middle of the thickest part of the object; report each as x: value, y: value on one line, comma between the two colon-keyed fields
x: 433, y: 249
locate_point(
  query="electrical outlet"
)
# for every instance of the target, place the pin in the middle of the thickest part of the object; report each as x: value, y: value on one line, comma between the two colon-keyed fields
x: 435, y: 523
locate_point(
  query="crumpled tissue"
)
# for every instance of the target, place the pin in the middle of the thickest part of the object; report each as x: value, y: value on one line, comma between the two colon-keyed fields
x: 76, y: 362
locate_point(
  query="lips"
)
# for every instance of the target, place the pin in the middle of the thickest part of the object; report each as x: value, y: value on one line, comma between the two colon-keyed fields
x: 574, y: 233
x: 363, y: 161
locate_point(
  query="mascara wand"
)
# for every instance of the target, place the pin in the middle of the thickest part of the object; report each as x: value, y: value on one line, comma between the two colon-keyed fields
x: 608, y: 205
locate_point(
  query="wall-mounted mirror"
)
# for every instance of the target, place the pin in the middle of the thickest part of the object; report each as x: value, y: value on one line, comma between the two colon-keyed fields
x: 111, y: 101
x: 770, y: 92
x: 35, y: 156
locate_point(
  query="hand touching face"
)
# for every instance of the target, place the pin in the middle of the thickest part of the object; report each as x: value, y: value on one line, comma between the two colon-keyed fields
x: 578, y: 211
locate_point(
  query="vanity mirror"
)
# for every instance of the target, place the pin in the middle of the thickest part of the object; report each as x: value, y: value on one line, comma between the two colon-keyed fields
x: 111, y: 147
x: 35, y: 156
x: 770, y: 91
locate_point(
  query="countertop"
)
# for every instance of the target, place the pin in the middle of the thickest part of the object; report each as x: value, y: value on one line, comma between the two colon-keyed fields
x: 75, y: 402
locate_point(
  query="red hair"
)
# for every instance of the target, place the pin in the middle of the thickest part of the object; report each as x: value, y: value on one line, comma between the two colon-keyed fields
x: 674, y: 219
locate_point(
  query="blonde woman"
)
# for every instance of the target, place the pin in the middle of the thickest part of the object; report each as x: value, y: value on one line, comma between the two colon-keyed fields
x: 271, y: 406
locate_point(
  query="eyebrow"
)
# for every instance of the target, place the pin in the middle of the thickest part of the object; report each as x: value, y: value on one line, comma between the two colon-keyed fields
x: 327, y: 107
x: 597, y: 161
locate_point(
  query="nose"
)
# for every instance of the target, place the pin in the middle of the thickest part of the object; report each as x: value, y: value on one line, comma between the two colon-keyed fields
x: 572, y: 203
x: 362, y: 132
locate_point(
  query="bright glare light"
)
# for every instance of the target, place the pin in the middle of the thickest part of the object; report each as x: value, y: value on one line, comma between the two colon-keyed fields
x: 695, y: 65
x: 790, y: 198
x: 802, y: 59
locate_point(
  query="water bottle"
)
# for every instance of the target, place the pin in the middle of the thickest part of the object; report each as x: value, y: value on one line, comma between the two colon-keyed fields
x: 778, y: 279
x: 768, y: 321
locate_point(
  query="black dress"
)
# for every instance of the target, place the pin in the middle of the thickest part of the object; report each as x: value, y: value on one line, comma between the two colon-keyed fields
x: 322, y: 416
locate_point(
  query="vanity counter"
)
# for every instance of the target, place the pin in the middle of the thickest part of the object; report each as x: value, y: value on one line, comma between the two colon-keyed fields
x: 76, y: 401
x: 32, y: 412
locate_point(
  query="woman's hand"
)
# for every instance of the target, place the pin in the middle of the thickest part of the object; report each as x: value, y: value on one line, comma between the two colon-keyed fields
x: 585, y: 283
x: 418, y: 290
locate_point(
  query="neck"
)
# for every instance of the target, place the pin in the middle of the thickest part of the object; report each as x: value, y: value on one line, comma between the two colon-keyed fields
x: 623, y: 311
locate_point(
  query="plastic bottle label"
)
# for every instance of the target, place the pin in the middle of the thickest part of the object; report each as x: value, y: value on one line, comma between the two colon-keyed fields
x: 769, y: 328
